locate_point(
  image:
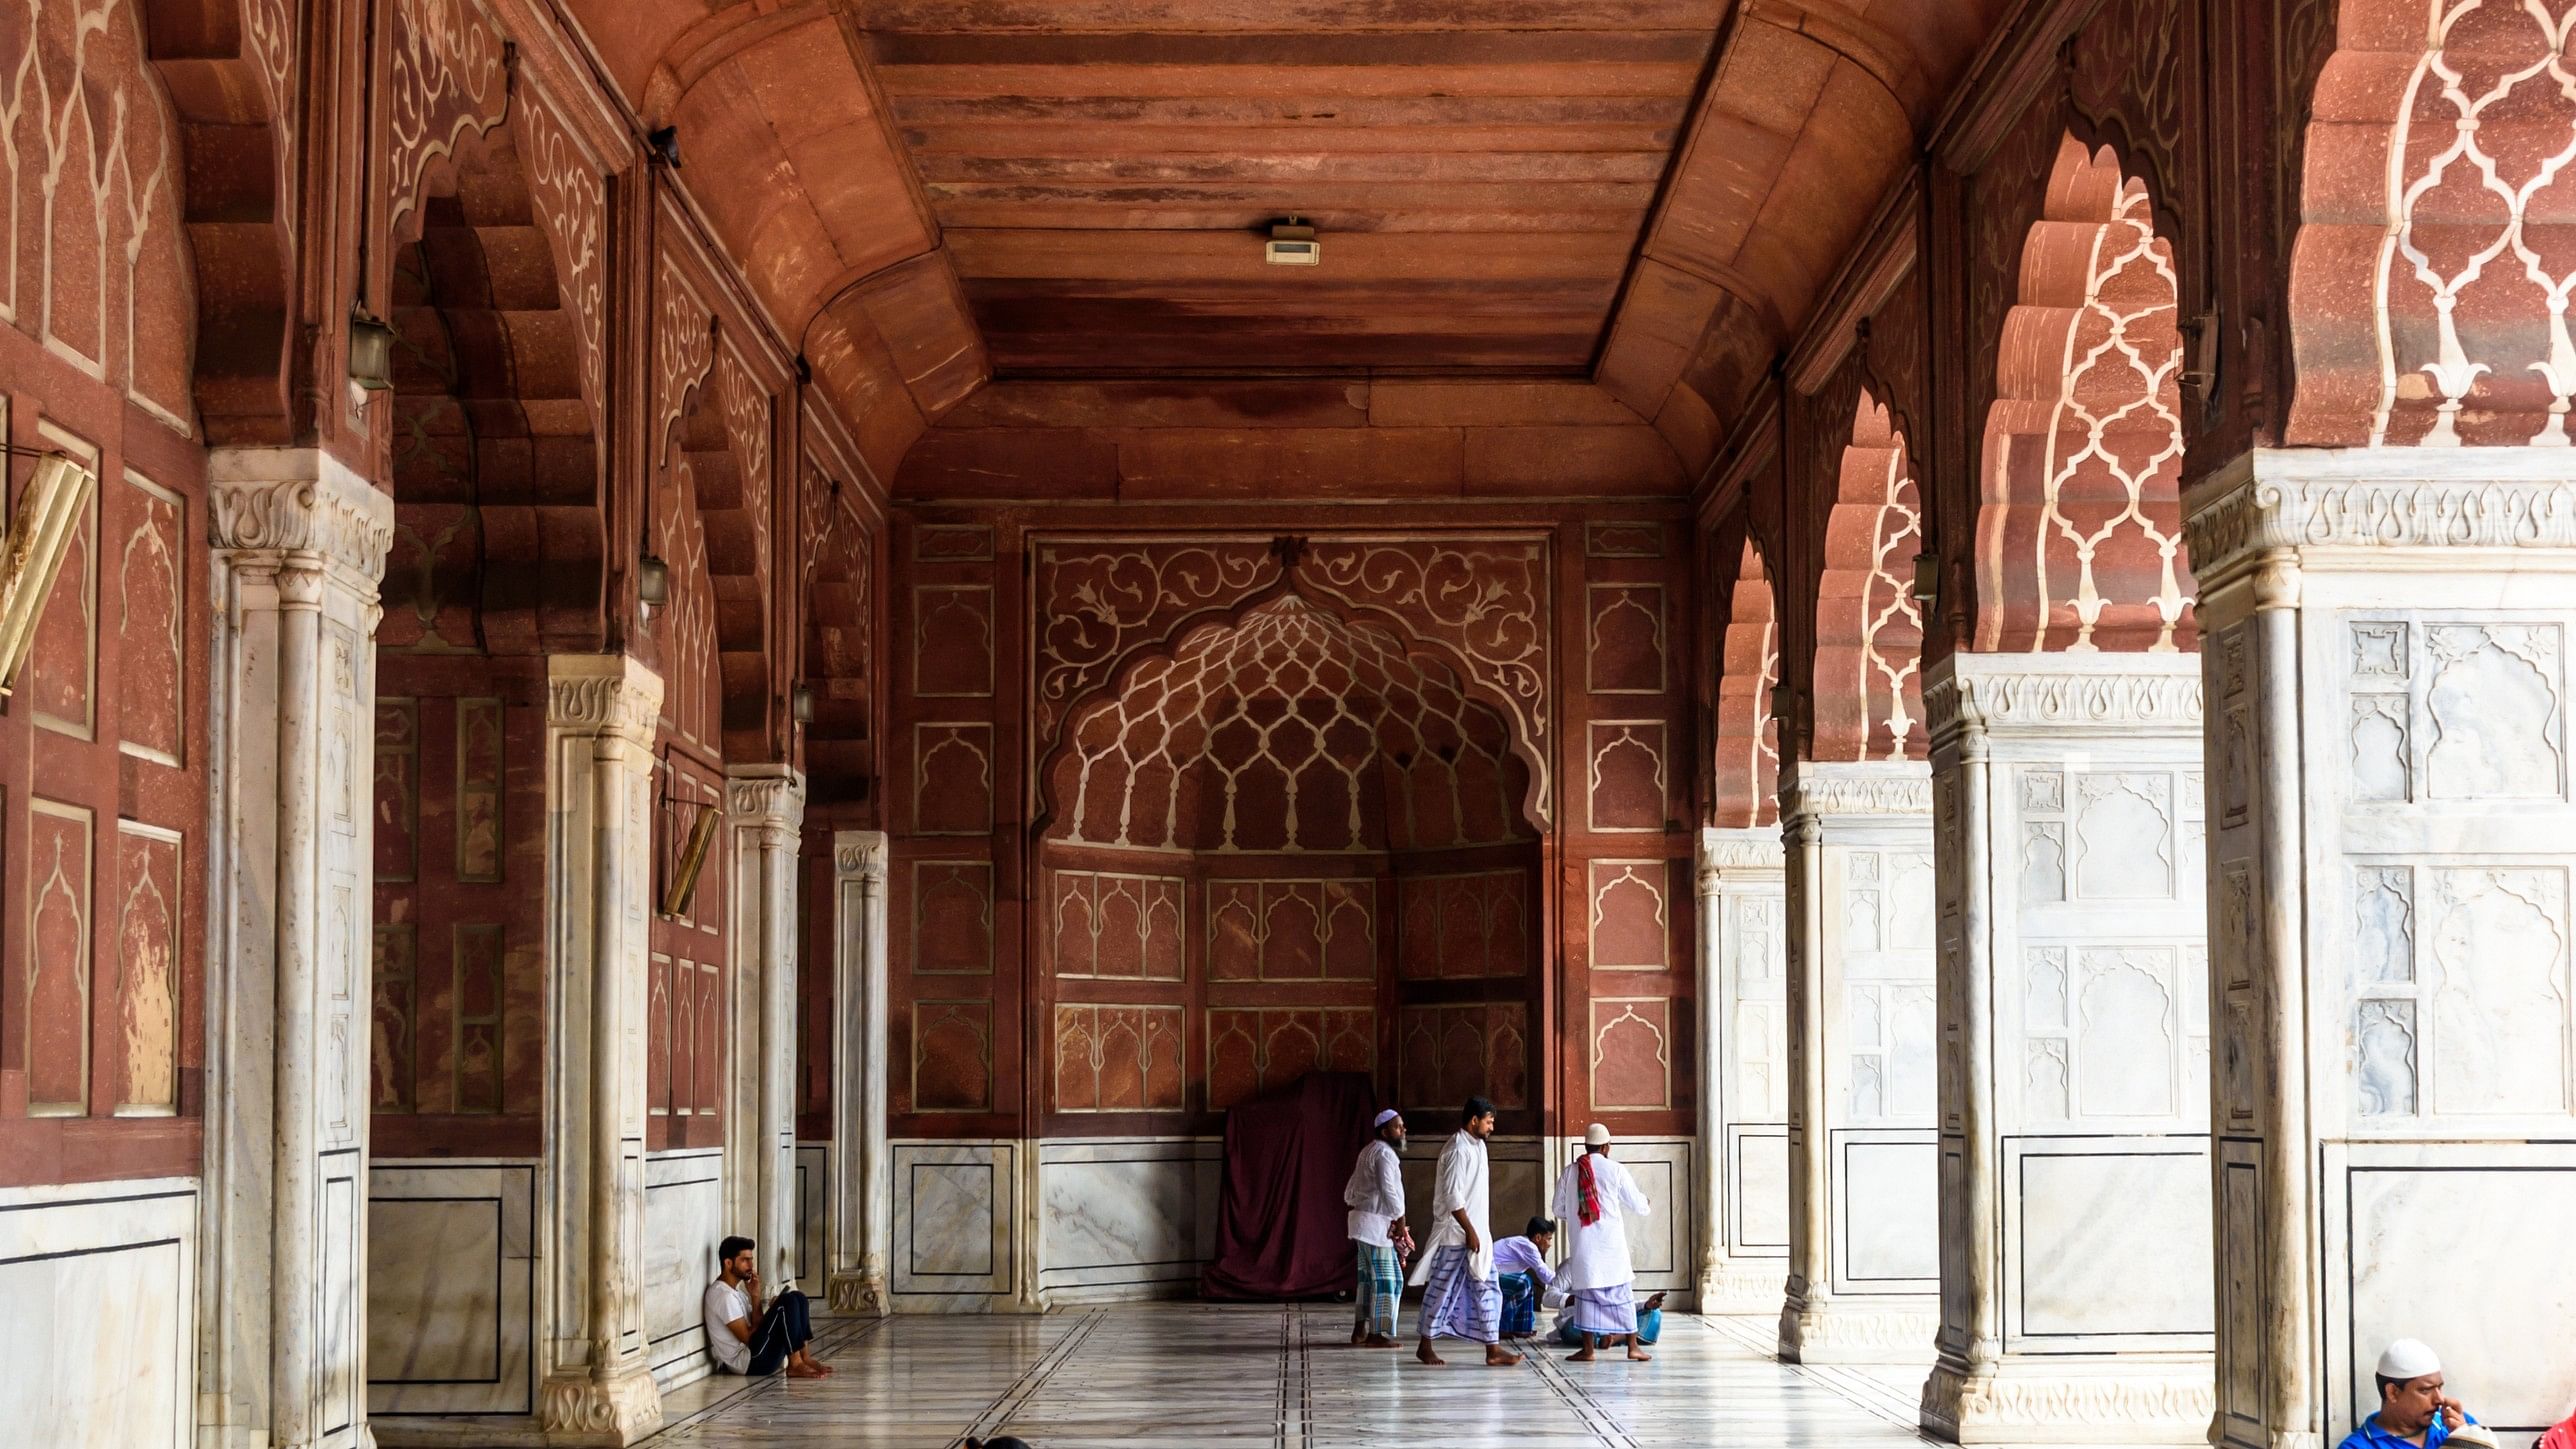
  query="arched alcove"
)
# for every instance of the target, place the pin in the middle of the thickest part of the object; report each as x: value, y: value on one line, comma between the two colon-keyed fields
x: 1289, y: 840
x: 1745, y: 772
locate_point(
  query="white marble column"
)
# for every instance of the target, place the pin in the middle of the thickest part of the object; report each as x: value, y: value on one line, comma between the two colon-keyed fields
x: 299, y: 544
x: 600, y: 718
x: 1864, y: 1243
x: 1743, y: 1148
x: 862, y: 1169
x: 2385, y: 640
x: 2075, y: 1300
x: 764, y: 806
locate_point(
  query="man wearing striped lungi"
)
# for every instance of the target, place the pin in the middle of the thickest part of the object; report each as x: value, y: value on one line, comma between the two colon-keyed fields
x: 1594, y: 1199
x: 1375, y: 1196
x: 1460, y: 1298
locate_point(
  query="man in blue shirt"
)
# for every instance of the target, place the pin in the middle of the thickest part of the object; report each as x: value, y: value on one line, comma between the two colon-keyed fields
x: 1520, y: 1265
x: 2413, y: 1410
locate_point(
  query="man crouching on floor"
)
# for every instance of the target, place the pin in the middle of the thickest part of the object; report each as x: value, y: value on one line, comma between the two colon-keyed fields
x: 743, y: 1337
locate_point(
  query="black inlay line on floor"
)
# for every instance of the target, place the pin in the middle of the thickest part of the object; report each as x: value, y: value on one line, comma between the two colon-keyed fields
x: 1026, y: 1386
x: 835, y: 1335
x: 1604, y: 1426
x: 1305, y: 1380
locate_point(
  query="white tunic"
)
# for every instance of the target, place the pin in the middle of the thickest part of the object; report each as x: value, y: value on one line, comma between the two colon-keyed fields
x: 1375, y: 1194
x: 1461, y: 1182
x: 1597, y: 1256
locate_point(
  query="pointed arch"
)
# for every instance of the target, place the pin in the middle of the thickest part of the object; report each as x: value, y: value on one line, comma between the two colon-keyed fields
x: 1869, y: 628
x: 2429, y: 301
x: 1746, y: 768
x: 2079, y: 525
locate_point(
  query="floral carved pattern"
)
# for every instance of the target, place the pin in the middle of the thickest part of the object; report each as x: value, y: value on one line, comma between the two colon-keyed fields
x: 571, y: 199
x: 1097, y: 602
x: 448, y: 77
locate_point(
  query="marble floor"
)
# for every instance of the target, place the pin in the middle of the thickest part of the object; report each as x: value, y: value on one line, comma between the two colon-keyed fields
x: 1228, y: 1377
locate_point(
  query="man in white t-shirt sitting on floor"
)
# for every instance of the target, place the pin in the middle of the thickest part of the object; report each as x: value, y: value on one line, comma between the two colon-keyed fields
x: 745, y: 1338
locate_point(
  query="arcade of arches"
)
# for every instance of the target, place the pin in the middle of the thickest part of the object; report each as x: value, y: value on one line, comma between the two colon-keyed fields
x: 1951, y: 614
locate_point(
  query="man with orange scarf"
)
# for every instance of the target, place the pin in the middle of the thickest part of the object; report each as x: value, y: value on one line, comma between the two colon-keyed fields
x: 1594, y: 1198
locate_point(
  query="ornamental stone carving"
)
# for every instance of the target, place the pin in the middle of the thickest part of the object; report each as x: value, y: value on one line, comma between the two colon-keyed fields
x: 2388, y: 498
x: 603, y: 694
x: 2141, y: 1403
x: 863, y: 859
x: 2095, y: 691
x: 1814, y: 790
x: 331, y: 513
x: 777, y: 794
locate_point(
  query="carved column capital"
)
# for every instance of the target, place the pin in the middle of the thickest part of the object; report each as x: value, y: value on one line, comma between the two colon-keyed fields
x: 1724, y: 854
x: 603, y: 694
x: 860, y: 855
x: 2124, y: 694
x: 1875, y: 787
x: 2275, y: 506
x: 768, y: 797
x: 278, y: 503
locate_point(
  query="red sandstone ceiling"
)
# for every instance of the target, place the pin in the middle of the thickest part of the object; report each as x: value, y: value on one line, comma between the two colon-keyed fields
x: 1640, y: 196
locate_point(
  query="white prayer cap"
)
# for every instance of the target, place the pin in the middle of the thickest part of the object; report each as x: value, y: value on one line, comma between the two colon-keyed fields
x: 1597, y: 1135
x: 2471, y: 1436
x: 2408, y: 1358
x: 1384, y: 1117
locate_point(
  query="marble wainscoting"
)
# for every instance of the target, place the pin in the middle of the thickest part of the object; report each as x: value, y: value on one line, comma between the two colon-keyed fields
x: 1661, y: 1244
x: 101, y: 1347
x: 2465, y: 1246
x: 813, y: 1217
x: 1126, y: 1218
x: 684, y: 1208
x: 957, y: 1244
x: 451, y: 1288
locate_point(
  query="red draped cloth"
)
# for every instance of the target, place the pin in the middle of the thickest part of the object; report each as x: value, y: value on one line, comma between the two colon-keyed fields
x: 1280, y: 1220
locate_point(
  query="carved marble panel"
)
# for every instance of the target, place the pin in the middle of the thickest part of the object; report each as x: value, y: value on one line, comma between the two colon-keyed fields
x: 1118, y: 1058
x: 1119, y: 926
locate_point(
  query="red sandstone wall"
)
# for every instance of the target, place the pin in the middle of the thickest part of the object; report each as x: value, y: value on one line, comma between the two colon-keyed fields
x: 1064, y: 960
x: 102, y: 746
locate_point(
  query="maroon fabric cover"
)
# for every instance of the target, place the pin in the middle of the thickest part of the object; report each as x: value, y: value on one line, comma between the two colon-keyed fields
x: 1280, y: 1220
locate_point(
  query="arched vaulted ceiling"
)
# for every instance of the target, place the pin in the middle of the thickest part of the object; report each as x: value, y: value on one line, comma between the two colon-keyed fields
x: 1595, y: 219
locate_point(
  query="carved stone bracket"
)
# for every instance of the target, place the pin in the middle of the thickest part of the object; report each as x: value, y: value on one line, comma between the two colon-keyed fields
x: 2381, y: 499
x: 2057, y: 692
x: 603, y: 694
x: 298, y: 501
x: 861, y: 856
x: 1880, y: 788
x: 772, y: 793
x: 1724, y: 853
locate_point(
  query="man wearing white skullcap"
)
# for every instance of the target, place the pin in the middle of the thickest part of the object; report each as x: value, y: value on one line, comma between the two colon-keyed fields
x: 1375, y: 1196
x: 1594, y: 1199
x: 2413, y: 1410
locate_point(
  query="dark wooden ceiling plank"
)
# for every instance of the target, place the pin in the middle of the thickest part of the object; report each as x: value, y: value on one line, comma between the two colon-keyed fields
x: 1256, y: 217
x: 1310, y: 83
x: 1346, y: 113
x: 931, y: 142
x: 1429, y: 53
x: 1292, y: 167
x: 1057, y: 16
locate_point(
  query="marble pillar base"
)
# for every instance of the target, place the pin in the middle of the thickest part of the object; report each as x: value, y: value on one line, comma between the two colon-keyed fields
x: 1857, y: 1329
x: 1741, y: 1285
x: 859, y: 1293
x: 2071, y: 1403
x: 619, y: 1409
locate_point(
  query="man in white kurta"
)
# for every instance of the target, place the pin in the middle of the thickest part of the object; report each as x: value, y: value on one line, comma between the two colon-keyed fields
x: 1375, y: 1197
x: 1460, y: 1298
x: 1594, y: 1199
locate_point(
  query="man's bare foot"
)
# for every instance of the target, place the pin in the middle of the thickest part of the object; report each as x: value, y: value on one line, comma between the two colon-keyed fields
x: 1379, y: 1340
x: 1497, y: 1356
x: 1358, y: 1337
x: 1425, y: 1355
x: 1639, y: 1355
x: 806, y: 1371
x: 1580, y: 1355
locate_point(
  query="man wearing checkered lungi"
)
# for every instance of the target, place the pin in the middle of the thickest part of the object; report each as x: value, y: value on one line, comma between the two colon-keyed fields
x: 1460, y: 1298
x: 1375, y: 1196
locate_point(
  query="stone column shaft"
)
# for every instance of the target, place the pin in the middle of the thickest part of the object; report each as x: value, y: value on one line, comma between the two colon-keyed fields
x: 2074, y: 1048
x: 1863, y: 1231
x: 601, y: 712
x: 299, y: 544
x: 862, y: 1165
x: 2385, y: 637
x: 1743, y: 1071
x: 764, y: 808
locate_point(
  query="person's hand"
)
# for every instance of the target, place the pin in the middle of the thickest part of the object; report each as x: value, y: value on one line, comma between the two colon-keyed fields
x: 2453, y: 1415
x: 1474, y: 1244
